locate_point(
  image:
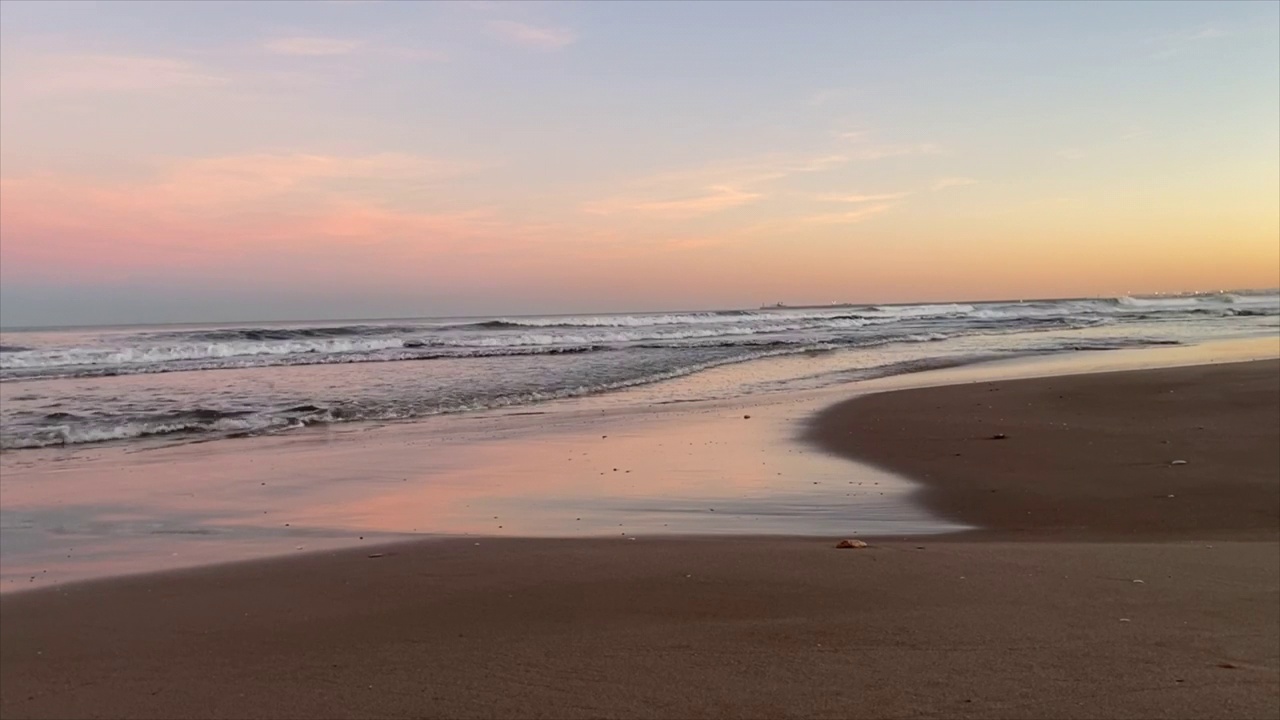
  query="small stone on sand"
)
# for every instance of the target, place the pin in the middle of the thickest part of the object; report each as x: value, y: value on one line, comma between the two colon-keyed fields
x: 846, y: 544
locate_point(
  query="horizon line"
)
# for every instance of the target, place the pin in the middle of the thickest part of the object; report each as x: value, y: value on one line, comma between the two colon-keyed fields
x: 386, y: 318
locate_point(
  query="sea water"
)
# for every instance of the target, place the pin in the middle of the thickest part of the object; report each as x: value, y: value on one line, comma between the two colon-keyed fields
x: 69, y: 387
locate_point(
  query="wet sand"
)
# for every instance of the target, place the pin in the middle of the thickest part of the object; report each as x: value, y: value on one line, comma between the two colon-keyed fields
x: 978, y: 624
x: 1084, y: 457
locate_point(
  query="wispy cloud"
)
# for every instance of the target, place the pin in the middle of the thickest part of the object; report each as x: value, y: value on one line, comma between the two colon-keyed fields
x: 751, y: 171
x: 1170, y: 44
x: 861, y: 146
x: 1208, y: 33
x: 261, y: 177
x: 876, y: 152
x: 822, y: 97
x: 74, y: 74
x: 705, y: 201
x: 816, y: 164
x: 717, y: 198
x: 709, y: 189
x: 950, y: 182
x: 541, y: 37
x: 202, y: 213
x: 723, y: 186
x: 855, y: 135
x: 849, y: 218
x: 312, y: 46
x: 856, y: 198
x: 405, y: 53
x: 300, y: 46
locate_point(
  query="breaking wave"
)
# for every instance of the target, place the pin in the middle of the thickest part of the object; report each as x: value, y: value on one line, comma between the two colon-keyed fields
x: 451, y: 366
x: 69, y: 429
x: 236, y: 347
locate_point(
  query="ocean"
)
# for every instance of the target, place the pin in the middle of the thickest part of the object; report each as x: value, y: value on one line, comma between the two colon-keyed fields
x: 216, y: 382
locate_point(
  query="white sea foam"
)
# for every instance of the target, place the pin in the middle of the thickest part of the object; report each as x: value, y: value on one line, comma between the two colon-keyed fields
x: 1184, y: 302
x: 188, y: 351
x: 641, y: 349
x: 212, y: 348
x: 919, y: 311
x: 1169, y: 303
x: 123, y: 429
x: 119, y: 429
x: 691, y: 318
x: 576, y: 336
x: 153, y: 354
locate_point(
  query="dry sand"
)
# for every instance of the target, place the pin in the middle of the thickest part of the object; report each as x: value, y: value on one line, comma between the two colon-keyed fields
x: 977, y: 625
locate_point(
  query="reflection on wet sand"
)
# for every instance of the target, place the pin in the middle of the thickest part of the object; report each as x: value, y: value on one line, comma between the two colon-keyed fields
x: 690, y: 472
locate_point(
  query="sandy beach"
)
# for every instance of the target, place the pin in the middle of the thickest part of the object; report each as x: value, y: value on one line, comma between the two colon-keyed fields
x: 1087, y: 457
x: 1150, y: 590
x: 739, y: 360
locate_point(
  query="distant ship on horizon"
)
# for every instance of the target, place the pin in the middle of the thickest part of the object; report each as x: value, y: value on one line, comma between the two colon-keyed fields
x: 784, y: 306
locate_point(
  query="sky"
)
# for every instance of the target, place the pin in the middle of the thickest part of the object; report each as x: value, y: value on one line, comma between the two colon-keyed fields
x: 205, y: 161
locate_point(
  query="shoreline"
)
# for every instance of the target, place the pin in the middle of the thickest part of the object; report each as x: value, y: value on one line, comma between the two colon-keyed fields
x: 830, y: 430
x: 681, y: 470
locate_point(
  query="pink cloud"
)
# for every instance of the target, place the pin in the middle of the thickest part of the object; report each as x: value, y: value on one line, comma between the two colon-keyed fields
x: 862, y: 198
x: 239, y: 215
x: 534, y: 36
x: 848, y: 218
x: 950, y: 182
x: 98, y: 73
x: 711, y: 200
x: 311, y: 46
x: 710, y: 189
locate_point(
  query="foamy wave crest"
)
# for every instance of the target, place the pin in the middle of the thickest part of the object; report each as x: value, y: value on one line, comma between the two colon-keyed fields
x: 1170, y: 303
x: 188, y: 355
x: 211, y: 348
x: 1214, y: 301
x: 187, y: 351
x: 265, y: 334
x: 587, y: 337
x: 692, y: 318
x: 126, y: 429
x: 266, y: 361
x: 738, y: 317
x: 74, y: 430
x: 921, y: 311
